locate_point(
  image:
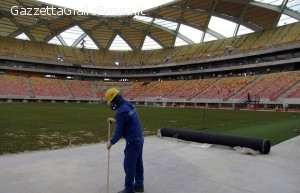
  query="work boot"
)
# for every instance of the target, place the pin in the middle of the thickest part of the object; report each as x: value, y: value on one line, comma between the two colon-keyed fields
x: 141, y: 189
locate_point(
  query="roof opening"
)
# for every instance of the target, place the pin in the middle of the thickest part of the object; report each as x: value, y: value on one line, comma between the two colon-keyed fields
x: 244, y: 30
x: 87, y: 43
x: 272, y: 2
x: 168, y: 24
x: 55, y: 41
x: 143, y: 18
x: 180, y: 42
x: 218, y: 25
x: 71, y: 35
x: 209, y: 37
x: 294, y: 5
x: 119, y: 44
x: 285, y: 20
x: 150, y: 44
x: 194, y: 34
x: 22, y: 36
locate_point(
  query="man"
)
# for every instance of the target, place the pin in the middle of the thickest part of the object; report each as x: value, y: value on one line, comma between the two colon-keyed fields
x: 129, y: 127
x: 286, y: 106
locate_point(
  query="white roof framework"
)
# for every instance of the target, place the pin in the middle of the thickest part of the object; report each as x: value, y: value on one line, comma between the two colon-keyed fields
x: 170, y: 24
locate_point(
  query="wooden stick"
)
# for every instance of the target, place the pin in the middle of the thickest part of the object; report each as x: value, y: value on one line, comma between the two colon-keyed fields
x: 108, y: 157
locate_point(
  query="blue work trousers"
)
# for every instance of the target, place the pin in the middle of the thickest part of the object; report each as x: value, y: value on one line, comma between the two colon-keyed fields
x: 133, y: 166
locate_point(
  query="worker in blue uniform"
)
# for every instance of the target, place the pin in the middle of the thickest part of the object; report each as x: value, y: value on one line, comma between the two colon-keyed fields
x: 129, y: 127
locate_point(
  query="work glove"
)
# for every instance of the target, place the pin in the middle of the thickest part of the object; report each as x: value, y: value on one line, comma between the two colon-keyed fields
x: 111, y: 120
x: 108, y: 145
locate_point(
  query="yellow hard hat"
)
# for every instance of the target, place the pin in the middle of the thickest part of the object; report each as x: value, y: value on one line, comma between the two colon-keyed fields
x: 110, y: 94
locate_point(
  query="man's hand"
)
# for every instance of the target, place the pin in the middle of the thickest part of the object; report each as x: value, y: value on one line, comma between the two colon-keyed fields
x: 111, y: 120
x: 108, y: 145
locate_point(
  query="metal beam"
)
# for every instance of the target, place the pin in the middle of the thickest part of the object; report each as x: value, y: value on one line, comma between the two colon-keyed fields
x: 184, y: 38
x: 39, y: 23
x: 110, y: 41
x: 62, y: 41
x: 286, y: 11
x: 147, y: 33
x: 126, y: 40
x: 240, y: 17
x: 172, y: 32
x: 179, y: 23
x: 156, y: 40
x: 209, y: 18
x: 19, y: 25
x: 232, y: 19
x: 57, y: 32
x: 214, y: 33
x: 117, y: 32
x: 239, y: 21
x: 291, y: 13
x: 266, y: 6
x: 76, y: 42
x: 282, y: 7
x: 88, y: 32
x: 45, y: 22
x: 93, y: 38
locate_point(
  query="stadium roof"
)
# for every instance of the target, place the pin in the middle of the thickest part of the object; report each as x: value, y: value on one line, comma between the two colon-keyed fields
x: 179, y: 22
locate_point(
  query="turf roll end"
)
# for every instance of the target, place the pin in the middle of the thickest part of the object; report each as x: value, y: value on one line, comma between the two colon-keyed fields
x: 261, y: 145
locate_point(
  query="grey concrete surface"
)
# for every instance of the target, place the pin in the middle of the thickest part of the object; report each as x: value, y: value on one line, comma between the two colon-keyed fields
x: 170, y: 167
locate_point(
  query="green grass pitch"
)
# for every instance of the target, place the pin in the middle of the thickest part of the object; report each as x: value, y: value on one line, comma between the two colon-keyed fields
x: 40, y: 126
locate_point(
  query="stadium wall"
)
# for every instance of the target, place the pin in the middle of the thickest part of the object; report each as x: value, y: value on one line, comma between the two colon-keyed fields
x: 199, y: 61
